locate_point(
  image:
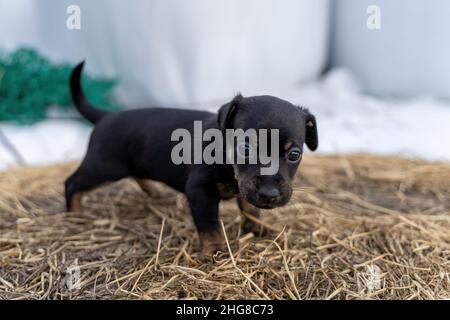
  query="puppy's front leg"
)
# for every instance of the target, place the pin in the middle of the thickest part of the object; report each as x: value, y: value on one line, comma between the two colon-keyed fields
x: 204, y: 203
x: 248, y: 225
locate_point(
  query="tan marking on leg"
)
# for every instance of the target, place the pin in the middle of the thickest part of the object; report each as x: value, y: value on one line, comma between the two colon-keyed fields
x: 75, y: 203
x: 211, y: 243
x: 247, y: 224
x: 155, y: 189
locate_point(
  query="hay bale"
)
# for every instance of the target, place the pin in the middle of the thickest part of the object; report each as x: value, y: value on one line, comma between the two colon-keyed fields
x: 357, y: 227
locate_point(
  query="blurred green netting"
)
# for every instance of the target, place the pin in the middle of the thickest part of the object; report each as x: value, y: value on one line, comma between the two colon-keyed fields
x: 30, y: 83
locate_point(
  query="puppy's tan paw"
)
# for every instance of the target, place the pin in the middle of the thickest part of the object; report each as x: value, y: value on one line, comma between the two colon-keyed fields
x: 249, y: 226
x: 211, y: 243
x: 76, y: 202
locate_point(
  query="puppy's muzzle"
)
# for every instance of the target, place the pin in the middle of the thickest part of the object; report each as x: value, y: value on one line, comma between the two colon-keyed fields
x: 268, y: 196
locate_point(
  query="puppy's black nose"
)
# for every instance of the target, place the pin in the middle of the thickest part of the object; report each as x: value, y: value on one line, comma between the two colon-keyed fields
x: 268, y: 194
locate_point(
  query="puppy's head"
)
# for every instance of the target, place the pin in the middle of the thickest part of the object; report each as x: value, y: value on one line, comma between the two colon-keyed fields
x: 296, y: 126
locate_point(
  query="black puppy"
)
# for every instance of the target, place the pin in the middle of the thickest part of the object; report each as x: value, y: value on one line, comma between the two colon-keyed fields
x: 137, y: 143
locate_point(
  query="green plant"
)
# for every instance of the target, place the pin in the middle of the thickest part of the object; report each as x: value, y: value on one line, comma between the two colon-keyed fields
x: 30, y: 83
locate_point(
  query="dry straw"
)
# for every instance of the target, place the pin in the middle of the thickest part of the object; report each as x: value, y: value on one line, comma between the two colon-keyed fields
x: 358, y: 227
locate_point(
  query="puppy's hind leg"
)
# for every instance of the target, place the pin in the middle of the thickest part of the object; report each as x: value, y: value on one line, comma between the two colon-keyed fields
x: 87, y: 178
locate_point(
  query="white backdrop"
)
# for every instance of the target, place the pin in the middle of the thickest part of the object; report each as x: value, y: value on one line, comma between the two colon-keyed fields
x: 175, y: 51
x: 169, y: 52
x: 408, y: 57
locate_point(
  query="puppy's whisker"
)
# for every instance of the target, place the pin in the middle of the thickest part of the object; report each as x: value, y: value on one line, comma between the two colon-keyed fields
x: 303, y: 188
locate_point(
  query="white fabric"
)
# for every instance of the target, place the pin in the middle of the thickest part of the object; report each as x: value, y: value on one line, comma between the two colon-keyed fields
x: 407, y: 57
x: 169, y: 52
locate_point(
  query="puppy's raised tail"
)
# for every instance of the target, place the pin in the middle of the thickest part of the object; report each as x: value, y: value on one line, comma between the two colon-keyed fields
x: 79, y: 100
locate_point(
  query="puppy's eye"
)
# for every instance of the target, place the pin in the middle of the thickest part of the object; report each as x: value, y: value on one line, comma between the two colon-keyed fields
x: 294, y: 155
x: 245, y: 150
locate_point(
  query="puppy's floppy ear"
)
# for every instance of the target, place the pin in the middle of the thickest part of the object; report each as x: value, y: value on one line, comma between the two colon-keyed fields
x: 227, y: 112
x: 311, y: 136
